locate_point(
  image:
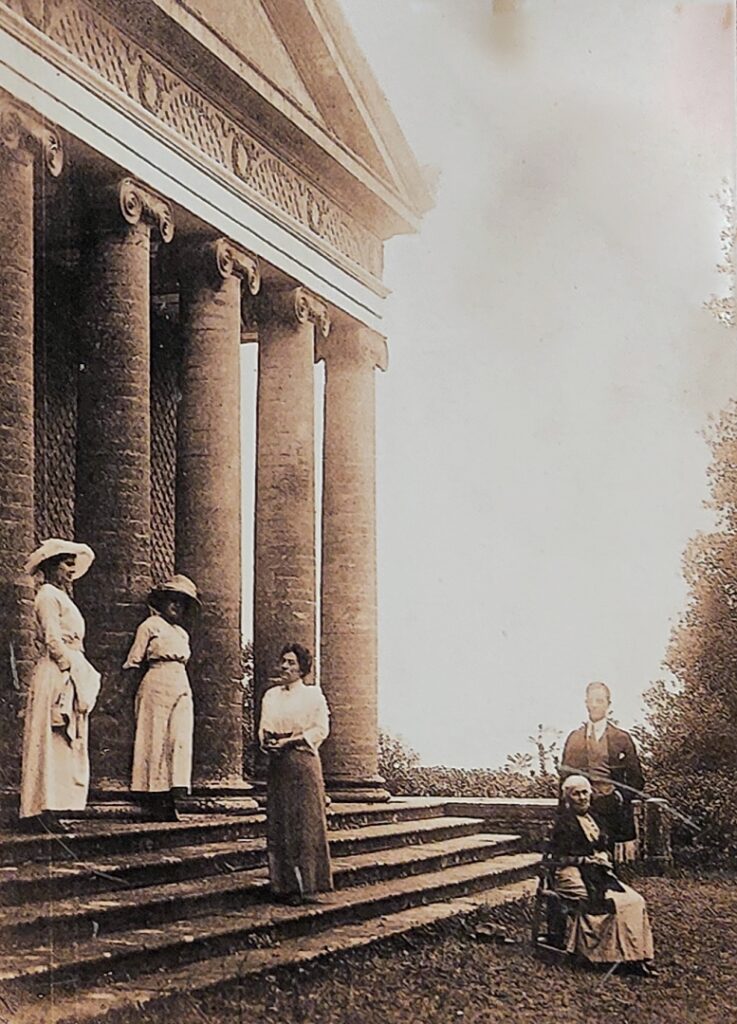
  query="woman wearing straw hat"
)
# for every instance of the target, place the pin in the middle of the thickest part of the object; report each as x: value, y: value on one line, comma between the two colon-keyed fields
x: 162, y: 752
x: 62, y: 693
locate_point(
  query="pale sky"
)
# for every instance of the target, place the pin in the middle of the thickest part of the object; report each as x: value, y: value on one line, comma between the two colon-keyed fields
x: 540, y: 461
x: 541, y: 465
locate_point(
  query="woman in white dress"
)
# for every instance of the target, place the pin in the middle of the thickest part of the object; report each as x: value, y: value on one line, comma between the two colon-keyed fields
x: 294, y: 722
x: 162, y: 751
x: 63, y: 689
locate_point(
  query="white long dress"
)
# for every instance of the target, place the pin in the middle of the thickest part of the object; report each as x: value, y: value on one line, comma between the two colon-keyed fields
x: 162, y: 752
x: 56, y: 770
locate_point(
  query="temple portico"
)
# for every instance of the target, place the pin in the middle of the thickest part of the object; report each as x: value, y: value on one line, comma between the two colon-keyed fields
x: 151, y: 225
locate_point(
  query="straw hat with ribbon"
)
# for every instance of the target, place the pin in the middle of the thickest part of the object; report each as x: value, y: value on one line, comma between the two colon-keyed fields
x: 84, y: 556
x: 179, y: 585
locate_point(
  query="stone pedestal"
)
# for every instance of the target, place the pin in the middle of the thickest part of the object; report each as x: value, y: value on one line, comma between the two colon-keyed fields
x: 22, y: 137
x: 654, y: 827
x: 208, y: 519
x: 348, y: 636
x: 113, y: 512
x: 284, y: 561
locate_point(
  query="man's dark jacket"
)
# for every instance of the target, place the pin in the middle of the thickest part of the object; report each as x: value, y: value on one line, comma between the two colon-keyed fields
x: 626, y: 775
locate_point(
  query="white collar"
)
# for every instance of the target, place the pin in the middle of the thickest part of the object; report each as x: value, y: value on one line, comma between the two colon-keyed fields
x: 596, y: 729
x: 292, y: 687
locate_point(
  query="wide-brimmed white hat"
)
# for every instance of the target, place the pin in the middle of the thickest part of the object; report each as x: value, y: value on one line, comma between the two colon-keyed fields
x: 84, y: 556
x: 178, y: 584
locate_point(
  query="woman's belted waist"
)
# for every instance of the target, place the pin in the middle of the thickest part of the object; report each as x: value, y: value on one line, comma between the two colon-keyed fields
x: 167, y: 661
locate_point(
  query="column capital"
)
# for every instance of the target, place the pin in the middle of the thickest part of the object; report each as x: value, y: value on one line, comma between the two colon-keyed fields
x: 24, y: 134
x: 214, y: 260
x: 138, y: 204
x: 233, y: 261
x: 353, y: 342
x: 295, y: 307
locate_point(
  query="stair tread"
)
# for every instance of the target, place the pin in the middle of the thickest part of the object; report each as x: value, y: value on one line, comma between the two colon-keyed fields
x: 40, y: 960
x: 177, y: 854
x: 87, y: 1005
x: 234, y: 881
x: 101, y: 828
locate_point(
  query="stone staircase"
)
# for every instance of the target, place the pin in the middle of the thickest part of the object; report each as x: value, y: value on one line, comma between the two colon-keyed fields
x: 116, y: 916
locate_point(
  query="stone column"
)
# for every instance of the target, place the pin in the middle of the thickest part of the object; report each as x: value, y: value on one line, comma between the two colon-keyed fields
x: 113, y: 511
x: 208, y: 519
x: 284, y: 564
x: 348, y: 636
x: 23, y: 138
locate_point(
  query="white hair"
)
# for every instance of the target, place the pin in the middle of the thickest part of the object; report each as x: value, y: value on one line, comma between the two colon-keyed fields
x: 575, y: 780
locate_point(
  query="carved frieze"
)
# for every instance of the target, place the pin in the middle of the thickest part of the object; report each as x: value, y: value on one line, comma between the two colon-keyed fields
x: 177, y: 104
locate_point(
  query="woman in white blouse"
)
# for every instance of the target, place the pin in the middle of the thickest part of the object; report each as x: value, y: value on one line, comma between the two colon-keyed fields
x: 162, y: 751
x: 294, y: 722
x: 62, y: 692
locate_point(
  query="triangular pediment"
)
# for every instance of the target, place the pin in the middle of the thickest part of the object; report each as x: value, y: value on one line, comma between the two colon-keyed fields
x: 245, y: 26
x: 305, y: 49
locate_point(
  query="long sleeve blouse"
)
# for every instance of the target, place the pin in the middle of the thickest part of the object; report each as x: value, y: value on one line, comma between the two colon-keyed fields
x: 158, y: 640
x: 59, y: 624
x: 294, y: 710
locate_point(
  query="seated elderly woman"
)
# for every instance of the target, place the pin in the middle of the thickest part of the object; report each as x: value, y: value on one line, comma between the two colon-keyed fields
x: 612, y: 927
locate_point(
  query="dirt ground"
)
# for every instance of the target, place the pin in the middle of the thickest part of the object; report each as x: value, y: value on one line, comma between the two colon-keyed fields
x: 456, y: 978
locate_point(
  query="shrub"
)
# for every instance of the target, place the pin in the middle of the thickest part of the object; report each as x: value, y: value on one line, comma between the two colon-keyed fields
x: 400, y: 767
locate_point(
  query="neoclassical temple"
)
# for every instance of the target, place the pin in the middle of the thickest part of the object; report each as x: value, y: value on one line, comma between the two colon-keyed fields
x: 178, y: 179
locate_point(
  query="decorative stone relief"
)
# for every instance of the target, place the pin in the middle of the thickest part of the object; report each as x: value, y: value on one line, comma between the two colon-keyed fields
x: 138, y: 203
x: 24, y: 134
x: 232, y: 260
x: 31, y: 10
x: 125, y: 65
x: 295, y: 306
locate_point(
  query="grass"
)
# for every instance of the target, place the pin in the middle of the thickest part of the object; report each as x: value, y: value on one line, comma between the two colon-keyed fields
x: 453, y: 978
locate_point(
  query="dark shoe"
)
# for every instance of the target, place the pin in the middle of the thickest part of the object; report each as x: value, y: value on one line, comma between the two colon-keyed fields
x: 161, y: 807
x: 50, y: 823
x: 639, y: 969
x: 289, y: 899
x: 33, y: 826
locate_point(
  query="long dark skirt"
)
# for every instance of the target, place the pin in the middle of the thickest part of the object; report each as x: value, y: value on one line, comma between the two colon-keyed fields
x: 297, y: 844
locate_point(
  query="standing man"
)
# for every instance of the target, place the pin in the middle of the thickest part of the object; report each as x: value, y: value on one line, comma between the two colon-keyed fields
x: 607, y: 756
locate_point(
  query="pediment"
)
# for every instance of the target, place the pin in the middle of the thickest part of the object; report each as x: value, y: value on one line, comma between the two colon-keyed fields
x: 247, y: 29
x: 306, y: 51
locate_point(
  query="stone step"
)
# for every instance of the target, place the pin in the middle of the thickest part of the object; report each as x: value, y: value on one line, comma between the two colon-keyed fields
x: 105, y: 836
x: 152, y: 991
x: 64, y: 875
x: 145, y: 950
x: 356, y: 815
x: 89, y: 839
x: 81, y: 917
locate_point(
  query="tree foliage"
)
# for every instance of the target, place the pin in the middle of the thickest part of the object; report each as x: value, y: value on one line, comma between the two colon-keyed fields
x: 690, y: 737
x: 722, y: 307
